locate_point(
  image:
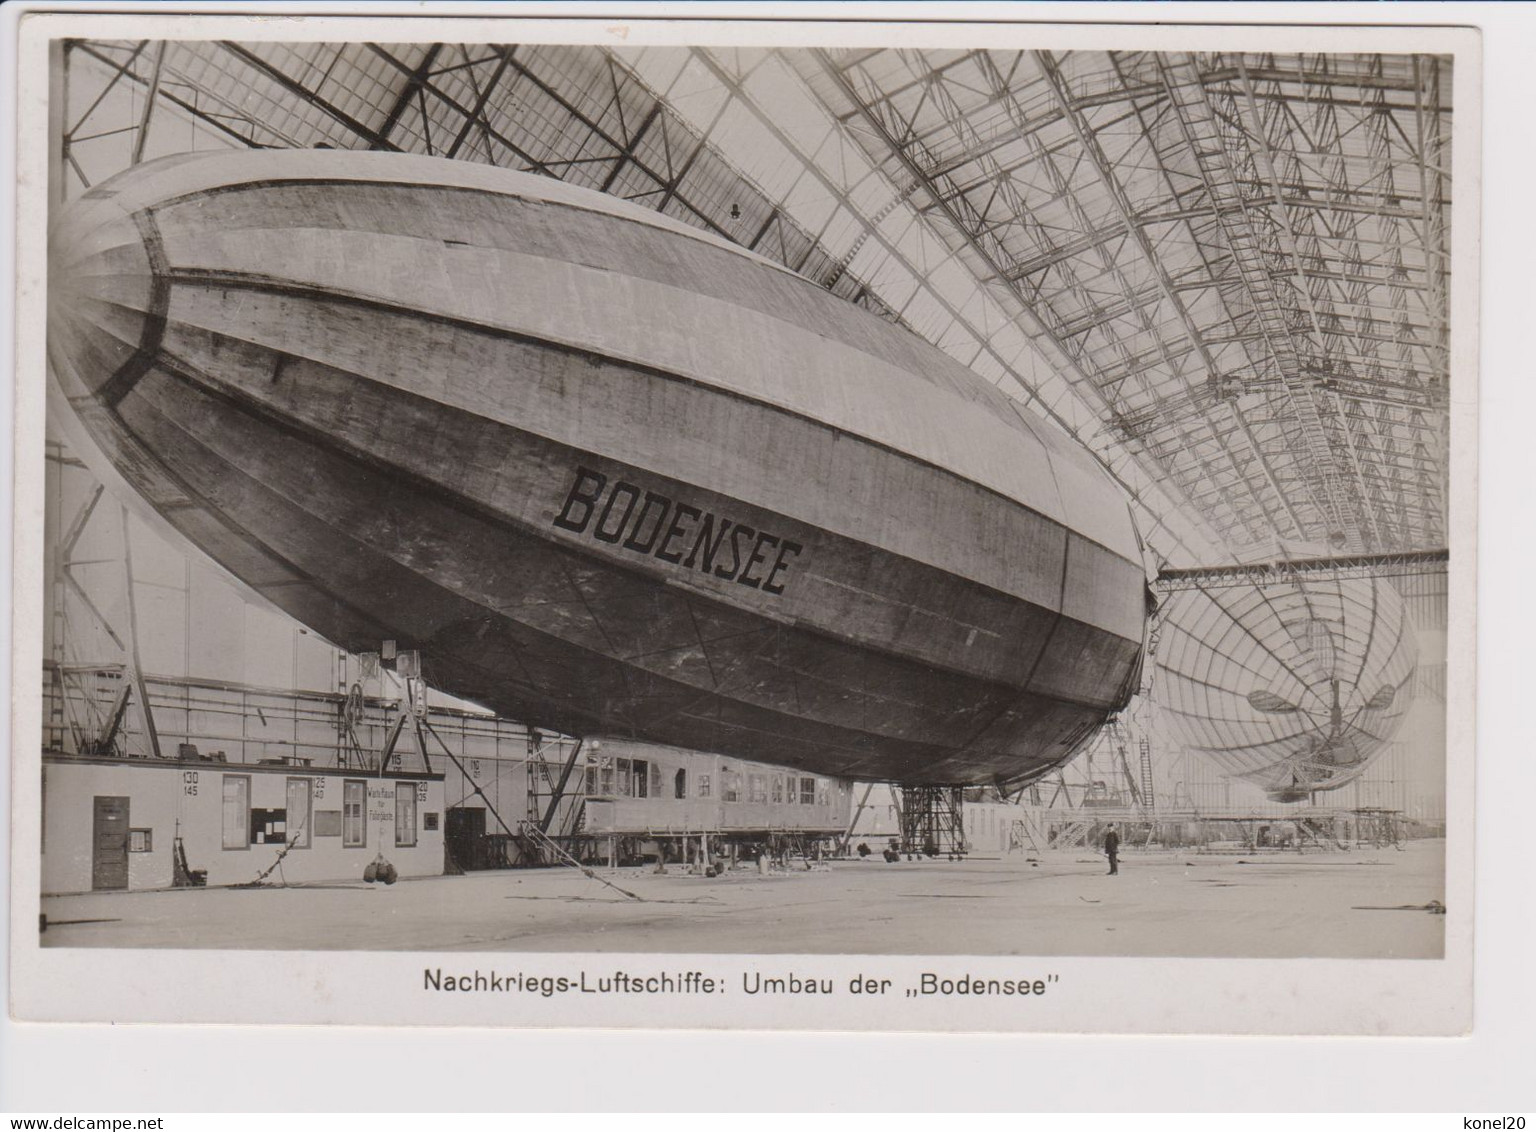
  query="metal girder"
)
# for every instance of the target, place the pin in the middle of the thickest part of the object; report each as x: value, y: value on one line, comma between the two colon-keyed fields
x: 476, y: 115
x: 992, y: 254
x: 409, y: 91
x: 149, y: 105
x: 293, y: 86
x: 472, y: 117
x: 1336, y: 77
x: 667, y: 184
x: 1091, y: 320
x: 1266, y: 159
x: 1201, y: 130
x: 1222, y: 278
x: 629, y: 148
x: 559, y: 792
x: 1401, y: 564
x: 1213, y: 373
x: 145, y: 711
x: 1426, y: 72
x: 124, y: 70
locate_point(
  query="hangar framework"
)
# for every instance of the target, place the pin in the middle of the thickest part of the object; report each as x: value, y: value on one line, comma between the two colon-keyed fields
x: 1226, y: 275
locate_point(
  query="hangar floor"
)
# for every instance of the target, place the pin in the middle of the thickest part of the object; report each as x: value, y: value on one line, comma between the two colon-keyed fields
x: 1333, y: 905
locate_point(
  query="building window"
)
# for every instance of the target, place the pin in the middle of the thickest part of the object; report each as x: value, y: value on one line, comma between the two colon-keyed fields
x: 354, y: 826
x: 626, y: 779
x: 778, y: 789
x: 703, y: 786
x: 237, y: 811
x: 405, y: 813
x: 807, y: 791
x: 591, y: 778
x: 605, y: 785
x: 300, y: 820
x: 680, y: 783
x: 655, y: 780
x: 823, y: 792
x: 757, y: 788
x: 730, y: 786
x: 642, y: 781
x: 140, y: 841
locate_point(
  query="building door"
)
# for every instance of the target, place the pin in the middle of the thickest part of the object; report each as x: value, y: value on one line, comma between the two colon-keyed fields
x: 109, y: 843
x: 465, y: 837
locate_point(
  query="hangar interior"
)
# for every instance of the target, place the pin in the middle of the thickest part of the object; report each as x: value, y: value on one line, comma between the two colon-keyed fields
x: 1225, y: 276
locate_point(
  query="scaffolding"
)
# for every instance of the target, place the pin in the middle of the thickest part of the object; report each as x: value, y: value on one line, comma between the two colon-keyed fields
x: 933, y: 821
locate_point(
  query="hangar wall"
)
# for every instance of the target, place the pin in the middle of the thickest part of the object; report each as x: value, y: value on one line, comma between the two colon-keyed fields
x: 113, y: 823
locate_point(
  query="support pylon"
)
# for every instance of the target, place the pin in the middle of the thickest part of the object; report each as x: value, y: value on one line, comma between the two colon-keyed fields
x: 932, y: 821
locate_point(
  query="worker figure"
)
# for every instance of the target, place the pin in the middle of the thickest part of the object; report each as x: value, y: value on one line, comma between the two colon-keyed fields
x: 1112, y: 850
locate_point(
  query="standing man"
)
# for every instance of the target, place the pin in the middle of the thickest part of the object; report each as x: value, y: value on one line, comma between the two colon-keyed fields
x: 1112, y: 850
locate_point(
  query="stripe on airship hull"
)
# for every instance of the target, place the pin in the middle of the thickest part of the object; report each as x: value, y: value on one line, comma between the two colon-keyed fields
x: 338, y: 410
x: 629, y: 291
x: 845, y: 589
x: 864, y: 593
x: 759, y: 453
x: 878, y: 714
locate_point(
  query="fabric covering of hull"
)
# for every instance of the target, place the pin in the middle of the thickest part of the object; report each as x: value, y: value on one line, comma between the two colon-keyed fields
x: 611, y: 475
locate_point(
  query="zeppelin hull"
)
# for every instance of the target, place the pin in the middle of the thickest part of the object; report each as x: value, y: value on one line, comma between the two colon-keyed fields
x: 496, y: 427
x: 1313, y: 708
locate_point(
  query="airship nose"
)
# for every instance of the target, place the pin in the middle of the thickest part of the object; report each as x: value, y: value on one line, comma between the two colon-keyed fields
x: 107, y: 294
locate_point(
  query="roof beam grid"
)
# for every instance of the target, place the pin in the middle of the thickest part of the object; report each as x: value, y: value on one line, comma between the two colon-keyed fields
x: 1222, y: 276
x: 123, y: 69
x: 1434, y: 156
x: 293, y: 86
x: 995, y: 259
x: 1091, y: 148
x: 1162, y: 350
x: 476, y: 115
x: 1095, y: 318
x: 412, y: 88
x: 667, y: 183
x: 1203, y: 136
x: 1255, y: 131
x: 1389, y: 301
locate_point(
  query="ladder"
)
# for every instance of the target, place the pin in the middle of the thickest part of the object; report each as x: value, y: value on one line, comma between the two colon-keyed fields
x: 1145, y: 751
x: 1073, y: 835
x: 1022, y: 831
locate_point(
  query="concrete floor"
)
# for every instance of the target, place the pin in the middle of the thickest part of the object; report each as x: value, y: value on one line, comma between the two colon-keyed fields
x: 1161, y: 904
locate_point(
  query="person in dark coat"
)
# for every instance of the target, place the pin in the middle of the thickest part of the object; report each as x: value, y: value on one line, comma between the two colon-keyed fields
x: 1112, y: 850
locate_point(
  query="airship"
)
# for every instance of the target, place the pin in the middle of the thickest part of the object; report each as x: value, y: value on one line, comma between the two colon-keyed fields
x: 609, y: 474
x: 1294, y: 687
